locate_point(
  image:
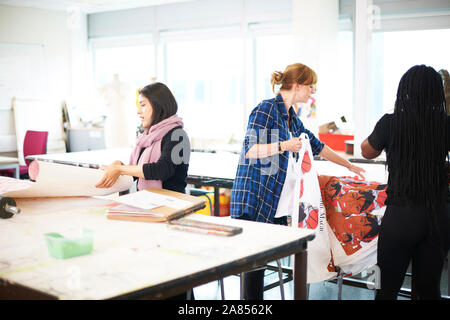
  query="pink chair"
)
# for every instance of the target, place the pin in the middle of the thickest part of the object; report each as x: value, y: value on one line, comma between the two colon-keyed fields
x: 35, y: 142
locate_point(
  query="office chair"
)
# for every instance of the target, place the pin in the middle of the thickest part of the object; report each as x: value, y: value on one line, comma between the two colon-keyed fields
x: 35, y: 142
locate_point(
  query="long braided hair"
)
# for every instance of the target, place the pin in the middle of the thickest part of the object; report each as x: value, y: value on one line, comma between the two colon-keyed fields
x: 418, y: 150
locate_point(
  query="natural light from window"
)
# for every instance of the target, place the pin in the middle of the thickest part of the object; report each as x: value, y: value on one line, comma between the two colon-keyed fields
x: 206, y: 78
x: 394, y: 53
x: 133, y: 64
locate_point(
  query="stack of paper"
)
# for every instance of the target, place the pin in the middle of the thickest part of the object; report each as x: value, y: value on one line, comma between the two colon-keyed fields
x: 149, y: 200
x: 123, y: 209
x: 154, y: 205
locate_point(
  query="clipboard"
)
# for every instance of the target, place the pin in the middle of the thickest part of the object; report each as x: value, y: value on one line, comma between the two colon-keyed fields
x: 159, y: 214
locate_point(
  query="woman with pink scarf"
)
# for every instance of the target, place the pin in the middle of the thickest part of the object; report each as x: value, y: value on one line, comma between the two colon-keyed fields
x: 161, y: 155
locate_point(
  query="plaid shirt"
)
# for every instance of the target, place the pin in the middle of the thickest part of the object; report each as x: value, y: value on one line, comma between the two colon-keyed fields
x: 258, y: 183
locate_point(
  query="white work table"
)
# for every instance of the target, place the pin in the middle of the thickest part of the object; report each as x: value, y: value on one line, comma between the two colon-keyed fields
x: 131, y: 259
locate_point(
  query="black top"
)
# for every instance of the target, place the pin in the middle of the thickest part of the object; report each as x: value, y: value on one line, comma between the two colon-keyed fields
x: 171, y: 169
x: 380, y: 139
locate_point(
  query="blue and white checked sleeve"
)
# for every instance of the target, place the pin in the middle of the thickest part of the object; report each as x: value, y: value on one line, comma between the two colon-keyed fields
x: 260, y: 120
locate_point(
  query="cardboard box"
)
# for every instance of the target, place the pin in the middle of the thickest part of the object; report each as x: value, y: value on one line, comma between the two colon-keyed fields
x: 329, y: 127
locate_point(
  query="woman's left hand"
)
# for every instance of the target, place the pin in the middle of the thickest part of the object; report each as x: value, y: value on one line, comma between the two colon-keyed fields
x: 112, y: 173
x: 357, y: 170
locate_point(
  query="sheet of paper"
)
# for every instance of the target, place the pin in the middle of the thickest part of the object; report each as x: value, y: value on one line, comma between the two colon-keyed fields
x: 148, y: 200
x: 59, y: 180
x: 141, y: 199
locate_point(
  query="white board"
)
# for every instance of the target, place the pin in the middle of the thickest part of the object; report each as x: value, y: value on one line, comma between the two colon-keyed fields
x: 22, y: 72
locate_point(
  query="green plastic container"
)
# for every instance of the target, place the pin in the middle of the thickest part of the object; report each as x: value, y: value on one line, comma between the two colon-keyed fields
x: 60, y: 247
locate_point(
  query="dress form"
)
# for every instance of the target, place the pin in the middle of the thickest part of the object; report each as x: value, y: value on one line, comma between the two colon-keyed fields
x: 118, y: 98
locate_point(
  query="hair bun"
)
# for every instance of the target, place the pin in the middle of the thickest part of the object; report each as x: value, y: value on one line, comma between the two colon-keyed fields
x: 277, y: 77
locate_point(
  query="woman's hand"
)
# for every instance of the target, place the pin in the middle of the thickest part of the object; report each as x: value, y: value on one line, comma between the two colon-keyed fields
x: 332, y: 156
x: 112, y: 173
x: 118, y: 162
x: 293, y: 145
x: 357, y: 170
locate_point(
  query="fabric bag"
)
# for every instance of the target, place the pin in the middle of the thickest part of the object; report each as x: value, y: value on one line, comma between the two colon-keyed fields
x: 311, y: 215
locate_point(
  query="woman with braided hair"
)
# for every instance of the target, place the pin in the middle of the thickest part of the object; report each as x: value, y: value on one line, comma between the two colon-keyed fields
x: 416, y: 224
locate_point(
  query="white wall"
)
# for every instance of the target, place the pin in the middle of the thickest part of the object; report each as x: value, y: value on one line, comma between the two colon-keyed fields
x: 37, y: 26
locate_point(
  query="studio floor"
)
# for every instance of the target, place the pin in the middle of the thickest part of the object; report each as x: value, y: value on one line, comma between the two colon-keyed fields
x: 326, y: 290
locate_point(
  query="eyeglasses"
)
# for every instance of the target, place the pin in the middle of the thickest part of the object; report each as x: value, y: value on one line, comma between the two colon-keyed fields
x: 313, y: 86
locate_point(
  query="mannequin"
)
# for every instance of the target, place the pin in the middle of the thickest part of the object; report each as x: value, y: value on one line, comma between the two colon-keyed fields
x: 120, y: 124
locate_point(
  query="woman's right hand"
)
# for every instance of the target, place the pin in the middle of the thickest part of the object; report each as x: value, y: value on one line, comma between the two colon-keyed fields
x: 293, y: 145
x: 112, y: 173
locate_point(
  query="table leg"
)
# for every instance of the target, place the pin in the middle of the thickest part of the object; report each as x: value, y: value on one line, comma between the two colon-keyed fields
x: 216, y: 201
x: 16, y: 172
x: 300, y: 265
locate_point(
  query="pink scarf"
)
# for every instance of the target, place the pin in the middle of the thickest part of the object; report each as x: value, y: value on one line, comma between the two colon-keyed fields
x: 151, y: 141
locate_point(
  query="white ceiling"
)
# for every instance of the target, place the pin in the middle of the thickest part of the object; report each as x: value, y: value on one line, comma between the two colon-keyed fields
x: 88, y: 6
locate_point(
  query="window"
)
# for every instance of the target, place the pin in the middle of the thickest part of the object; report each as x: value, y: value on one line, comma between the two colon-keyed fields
x: 119, y: 68
x: 275, y: 53
x: 394, y: 53
x: 271, y: 53
x: 133, y: 64
x: 344, y: 103
x: 206, y: 79
x: 217, y: 76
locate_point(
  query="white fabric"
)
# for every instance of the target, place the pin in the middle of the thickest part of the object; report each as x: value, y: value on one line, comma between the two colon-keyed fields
x: 289, y: 193
x: 319, y: 251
